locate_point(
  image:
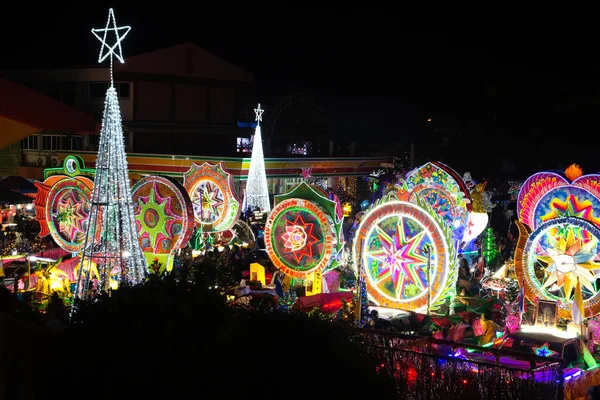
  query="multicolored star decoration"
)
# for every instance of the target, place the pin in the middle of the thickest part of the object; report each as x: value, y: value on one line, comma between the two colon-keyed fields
x: 569, y: 257
x: 399, y: 259
x: 544, y: 351
x: 299, y: 239
x: 571, y: 207
x: 70, y: 216
x: 161, y: 210
x: 208, y: 200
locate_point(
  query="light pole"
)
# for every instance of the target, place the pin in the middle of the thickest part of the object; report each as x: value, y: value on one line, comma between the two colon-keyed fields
x: 427, y: 249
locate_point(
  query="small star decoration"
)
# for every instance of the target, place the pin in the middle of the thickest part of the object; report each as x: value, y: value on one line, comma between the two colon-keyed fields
x: 306, y: 173
x: 544, y: 351
x: 111, y: 49
x: 259, y: 113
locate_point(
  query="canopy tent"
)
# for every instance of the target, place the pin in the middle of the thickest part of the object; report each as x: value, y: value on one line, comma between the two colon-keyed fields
x: 24, y: 111
x: 18, y: 184
x: 10, y: 197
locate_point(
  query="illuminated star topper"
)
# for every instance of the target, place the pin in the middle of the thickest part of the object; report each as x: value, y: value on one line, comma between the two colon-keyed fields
x: 259, y: 113
x: 110, y: 50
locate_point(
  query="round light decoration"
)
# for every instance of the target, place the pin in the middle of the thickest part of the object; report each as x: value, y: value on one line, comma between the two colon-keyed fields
x: 164, y: 216
x: 441, y: 187
x: 67, y: 209
x: 397, y: 244
x: 299, y: 237
x: 215, y: 206
x: 62, y: 203
x: 554, y: 256
x: 303, y: 233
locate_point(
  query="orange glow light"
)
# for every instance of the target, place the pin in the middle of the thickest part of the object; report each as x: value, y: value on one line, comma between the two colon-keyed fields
x: 573, y: 172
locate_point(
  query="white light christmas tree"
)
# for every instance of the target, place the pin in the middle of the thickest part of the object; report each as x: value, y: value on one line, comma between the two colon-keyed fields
x: 257, y: 191
x: 111, y: 253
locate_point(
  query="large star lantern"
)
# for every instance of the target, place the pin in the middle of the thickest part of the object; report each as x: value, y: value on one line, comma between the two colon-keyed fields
x: 299, y: 238
x: 155, y: 217
x: 569, y: 257
x: 70, y: 216
x: 399, y: 259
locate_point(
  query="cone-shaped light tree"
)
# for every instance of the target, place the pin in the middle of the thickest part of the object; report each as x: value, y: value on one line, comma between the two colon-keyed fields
x: 257, y: 191
x: 111, y: 253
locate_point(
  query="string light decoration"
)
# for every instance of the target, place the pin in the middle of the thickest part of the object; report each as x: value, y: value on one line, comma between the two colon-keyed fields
x: 257, y: 190
x: 490, y: 248
x: 111, y: 242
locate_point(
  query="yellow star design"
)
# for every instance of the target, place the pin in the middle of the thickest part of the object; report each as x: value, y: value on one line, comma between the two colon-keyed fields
x: 569, y: 258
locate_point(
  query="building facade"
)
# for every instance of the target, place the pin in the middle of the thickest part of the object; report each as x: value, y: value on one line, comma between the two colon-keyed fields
x: 179, y: 105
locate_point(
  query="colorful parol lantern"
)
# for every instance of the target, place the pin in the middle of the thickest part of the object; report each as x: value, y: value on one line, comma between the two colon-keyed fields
x: 559, y: 238
x: 216, y: 208
x: 164, y: 219
x: 303, y: 233
x: 63, y: 203
x: 406, y: 252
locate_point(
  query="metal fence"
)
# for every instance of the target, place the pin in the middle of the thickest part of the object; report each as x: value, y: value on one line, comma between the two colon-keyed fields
x: 426, y: 369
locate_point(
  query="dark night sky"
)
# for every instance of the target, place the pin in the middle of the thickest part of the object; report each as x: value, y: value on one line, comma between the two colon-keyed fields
x: 378, y: 73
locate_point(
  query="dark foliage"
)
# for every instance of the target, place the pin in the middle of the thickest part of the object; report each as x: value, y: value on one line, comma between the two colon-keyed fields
x: 165, y: 340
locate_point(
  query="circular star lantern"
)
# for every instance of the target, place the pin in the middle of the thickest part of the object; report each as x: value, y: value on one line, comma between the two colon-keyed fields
x: 164, y: 218
x: 441, y: 187
x: 62, y: 209
x: 551, y: 259
x: 303, y: 232
x: 216, y: 208
x: 396, y: 244
x: 548, y: 195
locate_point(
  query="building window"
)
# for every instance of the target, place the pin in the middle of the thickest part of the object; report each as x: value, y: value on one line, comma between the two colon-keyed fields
x: 30, y: 143
x: 97, y: 90
x: 50, y: 142
x: 72, y: 142
x: 300, y: 148
x: 63, y: 91
x: 67, y: 93
x: 61, y: 142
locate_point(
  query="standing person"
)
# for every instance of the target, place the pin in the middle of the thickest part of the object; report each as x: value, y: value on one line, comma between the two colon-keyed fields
x: 489, y: 328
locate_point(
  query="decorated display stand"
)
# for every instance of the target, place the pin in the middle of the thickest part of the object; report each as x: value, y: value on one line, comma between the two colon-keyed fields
x: 165, y: 220
x: 405, y: 252
x: 557, y: 259
x: 303, y: 235
x: 62, y: 204
x: 558, y: 239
